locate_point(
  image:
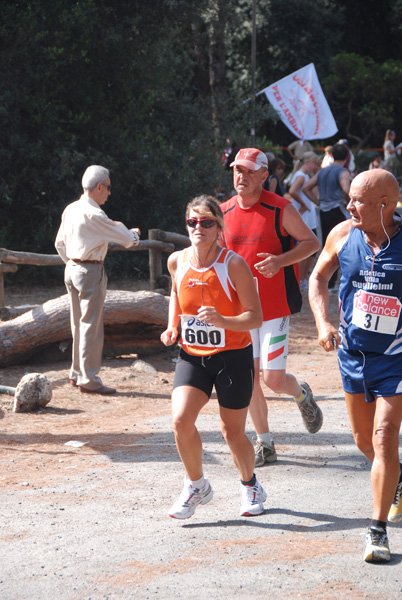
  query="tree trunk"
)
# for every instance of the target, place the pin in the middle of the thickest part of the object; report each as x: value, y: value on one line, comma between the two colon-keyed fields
x: 133, y: 324
x: 201, y: 73
x: 217, y: 70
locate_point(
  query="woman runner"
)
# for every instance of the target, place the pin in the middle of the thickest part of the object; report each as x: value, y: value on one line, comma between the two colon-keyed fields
x: 214, y: 295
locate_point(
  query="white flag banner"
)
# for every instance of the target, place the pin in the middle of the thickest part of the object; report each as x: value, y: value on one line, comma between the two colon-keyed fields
x: 301, y: 104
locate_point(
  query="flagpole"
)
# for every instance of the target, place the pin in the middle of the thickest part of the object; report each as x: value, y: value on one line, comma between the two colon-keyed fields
x: 253, y: 55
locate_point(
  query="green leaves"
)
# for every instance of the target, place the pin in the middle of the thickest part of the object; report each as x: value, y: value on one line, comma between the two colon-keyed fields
x: 152, y: 90
x: 364, y: 95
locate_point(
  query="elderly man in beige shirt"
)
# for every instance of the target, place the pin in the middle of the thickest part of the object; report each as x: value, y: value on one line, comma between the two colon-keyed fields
x: 82, y: 242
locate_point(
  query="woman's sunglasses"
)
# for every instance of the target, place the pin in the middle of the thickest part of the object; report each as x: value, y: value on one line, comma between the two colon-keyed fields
x: 204, y: 222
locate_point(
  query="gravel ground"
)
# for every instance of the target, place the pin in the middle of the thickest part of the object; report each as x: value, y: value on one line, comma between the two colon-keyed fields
x: 90, y: 522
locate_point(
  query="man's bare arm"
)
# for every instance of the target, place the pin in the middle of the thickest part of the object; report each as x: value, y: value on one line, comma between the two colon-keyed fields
x: 308, y: 188
x: 344, y: 182
x: 327, y: 263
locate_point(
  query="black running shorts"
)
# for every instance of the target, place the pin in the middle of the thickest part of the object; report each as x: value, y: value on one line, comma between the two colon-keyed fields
x: 230, y: 371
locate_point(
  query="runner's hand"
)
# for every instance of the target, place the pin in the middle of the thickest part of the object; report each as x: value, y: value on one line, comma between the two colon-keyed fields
x: 329, y: 339
x: 209, y: 315
x: 169, y: 336
x: 269, y: 266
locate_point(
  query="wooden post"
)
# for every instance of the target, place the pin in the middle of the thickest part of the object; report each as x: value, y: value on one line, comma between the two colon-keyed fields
x: 4, y: 268
x: 155, y: 260
x: 1, y: 290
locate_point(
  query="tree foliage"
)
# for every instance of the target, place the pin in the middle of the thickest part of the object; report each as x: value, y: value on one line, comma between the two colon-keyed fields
x: 98, y: 82
x: 365, y: 95
x: 151, y: 90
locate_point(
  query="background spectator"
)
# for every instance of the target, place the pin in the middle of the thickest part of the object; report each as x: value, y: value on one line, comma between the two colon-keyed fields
x: 328, y: 158
x: 273, y: 183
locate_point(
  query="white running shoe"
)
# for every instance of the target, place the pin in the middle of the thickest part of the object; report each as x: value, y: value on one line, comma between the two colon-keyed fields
x: 252, y: 498
x: 189, y: 499
x: 377, y: 547
x: 395, y: 512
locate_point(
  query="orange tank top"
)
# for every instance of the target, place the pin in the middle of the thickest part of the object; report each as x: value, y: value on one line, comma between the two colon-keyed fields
x: 207, y: 287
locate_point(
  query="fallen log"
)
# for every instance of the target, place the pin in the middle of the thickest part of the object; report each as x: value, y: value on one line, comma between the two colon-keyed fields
x: 133, y: 324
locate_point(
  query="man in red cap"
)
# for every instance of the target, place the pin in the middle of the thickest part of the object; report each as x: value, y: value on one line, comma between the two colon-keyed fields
x: 263, y: 228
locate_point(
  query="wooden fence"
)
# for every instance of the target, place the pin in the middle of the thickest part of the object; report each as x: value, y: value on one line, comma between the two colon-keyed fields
x: 158, y: 241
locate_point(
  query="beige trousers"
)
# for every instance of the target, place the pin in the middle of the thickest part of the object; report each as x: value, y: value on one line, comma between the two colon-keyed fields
x: 86, y: 286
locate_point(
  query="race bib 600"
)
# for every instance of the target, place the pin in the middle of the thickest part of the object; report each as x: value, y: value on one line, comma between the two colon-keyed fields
x: 197, y: 333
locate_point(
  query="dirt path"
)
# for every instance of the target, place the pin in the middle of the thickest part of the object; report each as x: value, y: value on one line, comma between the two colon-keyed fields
x: 89, y: 522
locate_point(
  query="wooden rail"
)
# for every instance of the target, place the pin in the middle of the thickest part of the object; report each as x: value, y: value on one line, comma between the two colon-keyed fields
x: 158, y: 241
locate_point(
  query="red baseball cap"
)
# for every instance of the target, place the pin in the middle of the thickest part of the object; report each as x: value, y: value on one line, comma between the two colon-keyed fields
x: 251, y: 158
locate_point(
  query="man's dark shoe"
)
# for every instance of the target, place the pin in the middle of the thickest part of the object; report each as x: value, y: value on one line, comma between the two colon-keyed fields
x: 103, y: 390
x: 73, y: 382
x: 310, y: 411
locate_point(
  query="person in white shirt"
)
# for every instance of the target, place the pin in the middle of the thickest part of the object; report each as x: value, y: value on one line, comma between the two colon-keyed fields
x: 377, y: 162
x: 309, y: 165
x: 296, y: 150
x: 82, y: 242
x: 391, y: 152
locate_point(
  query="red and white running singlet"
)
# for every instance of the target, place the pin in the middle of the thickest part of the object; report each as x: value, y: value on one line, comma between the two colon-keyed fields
x: 259, y: 228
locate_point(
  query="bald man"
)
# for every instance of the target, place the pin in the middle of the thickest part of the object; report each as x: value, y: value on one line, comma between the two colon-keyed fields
x: 368, y: 249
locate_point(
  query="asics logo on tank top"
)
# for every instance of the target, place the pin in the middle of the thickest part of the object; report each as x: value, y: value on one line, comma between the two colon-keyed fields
x: 193, y: 282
